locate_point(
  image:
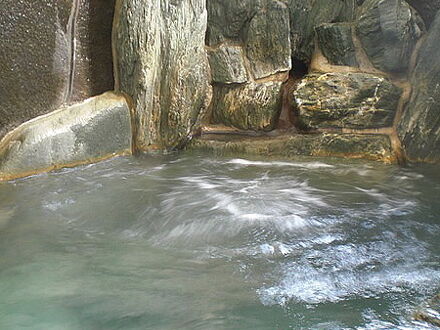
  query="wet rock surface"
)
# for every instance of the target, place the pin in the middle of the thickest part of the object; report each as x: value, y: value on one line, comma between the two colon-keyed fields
x: 86, y: 132
x: 252, y: 106
x: 388, y: 30
x: 419, y: 127
x: 373, y: 147
x: 163, y: 66
x: 346, y: 100
x: 52, y: 52
x: 426, y: 8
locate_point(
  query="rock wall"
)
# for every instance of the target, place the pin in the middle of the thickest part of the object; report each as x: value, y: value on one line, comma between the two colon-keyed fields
x: 419, y: 128
x: 161, y: 63
x: 52, y: 53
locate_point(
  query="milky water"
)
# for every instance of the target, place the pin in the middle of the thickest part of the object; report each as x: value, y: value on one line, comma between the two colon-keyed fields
x: 189, y: 241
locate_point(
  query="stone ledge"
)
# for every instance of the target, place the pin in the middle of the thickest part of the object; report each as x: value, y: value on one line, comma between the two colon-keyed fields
x: 96, y: 129
x: 357, y: 146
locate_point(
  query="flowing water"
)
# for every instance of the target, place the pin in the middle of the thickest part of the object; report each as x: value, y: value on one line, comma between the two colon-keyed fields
x: 191, y: 241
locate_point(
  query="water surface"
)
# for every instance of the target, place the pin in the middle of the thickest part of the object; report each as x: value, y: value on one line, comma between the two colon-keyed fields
x: 191, y: 241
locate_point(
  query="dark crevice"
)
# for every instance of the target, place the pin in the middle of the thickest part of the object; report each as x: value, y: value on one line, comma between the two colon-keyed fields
x: 289, y: 115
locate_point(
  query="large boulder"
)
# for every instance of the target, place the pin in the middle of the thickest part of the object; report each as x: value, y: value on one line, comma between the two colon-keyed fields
x: 346, y: 100
x: 52, y: 52
x: 389, y: 30
x: 163, y: 66
x: 419, y: 128
x: 83, y: 133
x: 251, y: 107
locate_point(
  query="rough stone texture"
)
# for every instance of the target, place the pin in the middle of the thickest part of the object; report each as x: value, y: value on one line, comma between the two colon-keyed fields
x: 306, y: 15
x: 419, y: 128
x: 346, y: 100
x: 36, y: 52
x: 227, y: 20
x: 227, y: 65
x: 373, y: 147
x: 389, y: 30
x: 268, y: 41
x: 426, y: 8
x: 162, y: 64
x: 96, y: 129
x: 252, y: 106
x: 93, y: 54
x: 336, y: 43
x: 34, y: 59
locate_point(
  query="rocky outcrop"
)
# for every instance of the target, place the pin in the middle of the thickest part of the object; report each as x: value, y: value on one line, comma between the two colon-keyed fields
x: 96, y: 129
x: 253, y: 106
x: 419, y: 127
x: 161, y: 63
x: 51, y: 52
x: 372, y: 147
x: 250, y: 56
x: 388, y: 30
x: 346, y: 100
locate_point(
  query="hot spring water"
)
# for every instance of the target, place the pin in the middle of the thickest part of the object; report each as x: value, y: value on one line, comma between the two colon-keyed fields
x: 191, y: 241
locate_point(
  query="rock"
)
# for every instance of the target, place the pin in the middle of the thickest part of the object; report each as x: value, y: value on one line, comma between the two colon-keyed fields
x: 426, y: 8
x: 163, y: 66
x: 37, y: 53
x: 268, y: 41
x: 252, y: 106
x: 372, y: 147
x: 306, y: 15
x: 227, y: 20
x: 419, y: 128
x: 83, y: 133
x: 346, y: 100
x: 93, y: 52
x: 227, y: 65
x: 336, y: 43
x: 388, y: 30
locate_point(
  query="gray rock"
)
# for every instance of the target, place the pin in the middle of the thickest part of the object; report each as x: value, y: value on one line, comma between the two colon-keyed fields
x: 41, y: 67
x: 389, y: 30
x: 346, y: 100
x: 227, y: 65
x: 305, y: 16
x: 336, y: 43
x: 163, y: 66
x: 426, y: 8
x: 253, y: 106
x: 419, y: 128
x: 268, y: 41
x: 372, y: 147
x: 228, y: 20
x: 86, y: 132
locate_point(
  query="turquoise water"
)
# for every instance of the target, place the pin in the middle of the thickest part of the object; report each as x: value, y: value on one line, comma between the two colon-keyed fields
x: 189, y: 241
